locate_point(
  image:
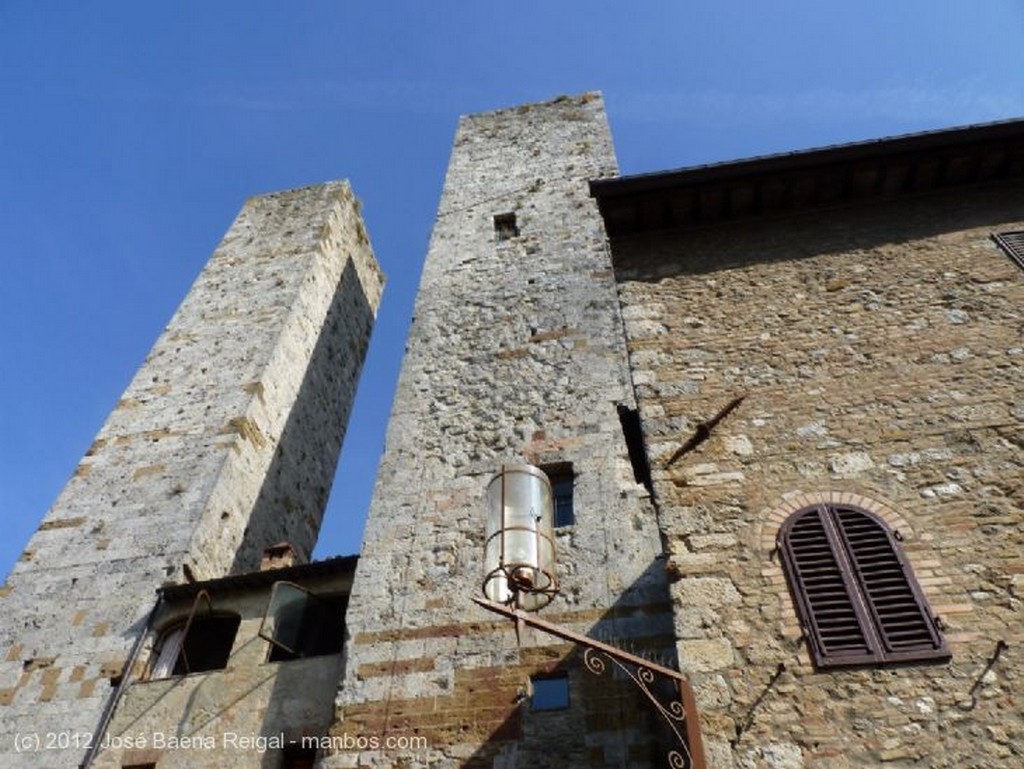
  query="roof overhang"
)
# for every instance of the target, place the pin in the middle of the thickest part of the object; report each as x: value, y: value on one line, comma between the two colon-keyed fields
x: 809, y: 179
x: 254, y: 580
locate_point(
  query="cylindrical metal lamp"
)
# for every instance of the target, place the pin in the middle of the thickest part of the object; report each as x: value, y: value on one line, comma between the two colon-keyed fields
x: 519, y: 554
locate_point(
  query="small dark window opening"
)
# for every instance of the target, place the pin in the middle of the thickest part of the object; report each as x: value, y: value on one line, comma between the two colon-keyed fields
x: 298, y: 757
x: 632, y: 432
x: 208, y: 644
x: 139, y: 766
x: 201, y: 643
x: 1013, y: 244
x: 549, y: 692
x: 505, y: 226
x: 855, y: 591
x: 300, y: 624
x: 562, y: 481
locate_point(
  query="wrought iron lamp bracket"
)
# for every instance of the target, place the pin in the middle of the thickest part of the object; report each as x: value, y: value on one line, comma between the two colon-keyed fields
x: 680, y: 714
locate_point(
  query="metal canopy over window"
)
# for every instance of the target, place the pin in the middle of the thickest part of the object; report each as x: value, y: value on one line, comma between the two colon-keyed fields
x: 854, y: 589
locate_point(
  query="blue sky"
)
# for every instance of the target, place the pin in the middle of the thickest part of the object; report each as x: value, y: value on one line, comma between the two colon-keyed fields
x: 133, y: 132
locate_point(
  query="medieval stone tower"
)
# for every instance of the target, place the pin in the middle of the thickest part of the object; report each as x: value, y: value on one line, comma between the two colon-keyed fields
x: 224, y: 443
x: 517, y: 354
x: 779, y: 404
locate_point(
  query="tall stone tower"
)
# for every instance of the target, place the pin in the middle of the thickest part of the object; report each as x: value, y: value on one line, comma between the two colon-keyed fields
x: 225, y: 442
x: 516, y: 354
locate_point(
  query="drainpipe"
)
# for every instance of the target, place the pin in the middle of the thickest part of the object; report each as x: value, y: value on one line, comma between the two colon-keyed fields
x: 122, y: 684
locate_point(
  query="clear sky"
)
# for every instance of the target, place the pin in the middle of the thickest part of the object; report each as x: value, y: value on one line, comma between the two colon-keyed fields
x: 132, y: 132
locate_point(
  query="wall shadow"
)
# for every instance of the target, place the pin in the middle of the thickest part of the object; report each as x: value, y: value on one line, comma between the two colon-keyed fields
x: 861, y: 226
x: 291, y: 502
x: 611, y: 721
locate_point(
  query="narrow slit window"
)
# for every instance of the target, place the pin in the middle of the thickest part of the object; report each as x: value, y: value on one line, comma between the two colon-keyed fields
x: 633, y: 433
x: 505, y: 226
x: 854, y: 590
x: 563, y: 480
x: 300, y: 624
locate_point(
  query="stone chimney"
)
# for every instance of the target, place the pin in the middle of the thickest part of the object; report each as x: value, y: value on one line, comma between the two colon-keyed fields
x: 279, y: 556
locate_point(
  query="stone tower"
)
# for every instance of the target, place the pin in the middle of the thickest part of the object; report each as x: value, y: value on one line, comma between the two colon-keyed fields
x: 516, y: 354
x: 225, y: 442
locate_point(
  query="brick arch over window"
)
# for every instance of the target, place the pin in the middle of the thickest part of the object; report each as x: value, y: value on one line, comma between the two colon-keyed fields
x: 854, y: 590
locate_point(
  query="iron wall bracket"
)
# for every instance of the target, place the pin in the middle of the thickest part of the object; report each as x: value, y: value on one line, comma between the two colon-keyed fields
x: 680, y: 715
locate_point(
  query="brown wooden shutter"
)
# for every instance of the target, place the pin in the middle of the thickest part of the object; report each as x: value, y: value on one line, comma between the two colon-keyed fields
x: 854, y: 591
x: 836, y: 630
x: 900, y: 613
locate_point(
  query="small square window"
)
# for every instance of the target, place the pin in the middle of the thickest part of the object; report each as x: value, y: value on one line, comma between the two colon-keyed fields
x: 562, y: 480
x: 505, y: 226
x: 549, y: 692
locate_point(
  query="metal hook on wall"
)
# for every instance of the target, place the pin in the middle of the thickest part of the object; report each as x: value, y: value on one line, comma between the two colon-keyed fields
x: 1001, y: 646
x: 749, y: 720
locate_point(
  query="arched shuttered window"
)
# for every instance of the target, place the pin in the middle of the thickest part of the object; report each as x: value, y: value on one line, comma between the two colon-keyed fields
x: 854, y: 590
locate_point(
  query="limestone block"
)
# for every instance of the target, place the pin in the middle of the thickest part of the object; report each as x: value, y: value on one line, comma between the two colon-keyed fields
x: 705, y: 654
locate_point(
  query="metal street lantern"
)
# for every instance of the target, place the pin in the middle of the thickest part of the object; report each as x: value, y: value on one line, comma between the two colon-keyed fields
x: 519, y: 558
x: 519, y: 553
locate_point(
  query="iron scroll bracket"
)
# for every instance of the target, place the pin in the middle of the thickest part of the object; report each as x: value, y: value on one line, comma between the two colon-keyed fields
x: 680, y: 714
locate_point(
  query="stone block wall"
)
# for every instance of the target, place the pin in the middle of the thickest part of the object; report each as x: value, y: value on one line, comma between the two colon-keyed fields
x: 224, y: 442
x: 881, y: 351
x: 516, y: 354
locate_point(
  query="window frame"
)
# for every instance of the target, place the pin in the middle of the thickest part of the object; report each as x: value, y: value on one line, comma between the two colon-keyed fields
x: 302, y: 652
x: 184, y: 628
x: 548, y: 704
x: 561, y: 474
x: 855, y: 591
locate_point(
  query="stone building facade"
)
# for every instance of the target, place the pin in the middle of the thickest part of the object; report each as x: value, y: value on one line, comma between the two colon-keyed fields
x: 857, y: 300
x: 779, y: 401
x: 830, y: 331
x: 235, y: 671
x: 826, y: 332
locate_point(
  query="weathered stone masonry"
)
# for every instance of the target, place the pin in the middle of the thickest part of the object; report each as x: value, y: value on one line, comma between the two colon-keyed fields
x: 852, y: 294
x: 880, y: 346
x: 516, y: 354
x: 225, y: 441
